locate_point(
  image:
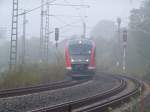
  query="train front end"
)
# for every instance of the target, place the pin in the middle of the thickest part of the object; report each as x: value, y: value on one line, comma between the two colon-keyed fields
x: 80, y: 58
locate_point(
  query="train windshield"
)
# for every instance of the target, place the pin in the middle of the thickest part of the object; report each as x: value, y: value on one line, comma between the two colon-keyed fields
x: 80, y: 49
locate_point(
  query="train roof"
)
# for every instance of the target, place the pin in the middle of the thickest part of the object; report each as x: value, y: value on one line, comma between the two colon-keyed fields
x: 80, y: 41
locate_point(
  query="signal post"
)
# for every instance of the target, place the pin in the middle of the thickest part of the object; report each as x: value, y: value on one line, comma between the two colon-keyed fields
x: 124, y: 49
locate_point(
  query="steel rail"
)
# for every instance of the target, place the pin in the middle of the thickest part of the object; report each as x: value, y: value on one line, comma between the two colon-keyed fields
x: 70, y: 106
x: 113, y: 102
x: 40, y: 88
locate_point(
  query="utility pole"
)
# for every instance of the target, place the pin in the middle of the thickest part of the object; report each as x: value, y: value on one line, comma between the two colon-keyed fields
x: 14, y: 37
x: 24, y: 38
x: 118, y: 63
x: 124, y: 49
x: 42, y: 29
x: 46, y: 39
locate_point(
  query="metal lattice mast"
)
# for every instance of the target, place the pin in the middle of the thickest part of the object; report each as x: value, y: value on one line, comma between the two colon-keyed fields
x: 24, y: 38
x: 46, y: 40
x: 14, y: 36
x: 42, y: 29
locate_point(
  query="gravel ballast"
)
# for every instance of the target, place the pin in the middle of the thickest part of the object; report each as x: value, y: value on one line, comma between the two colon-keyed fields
x: 33, y: 101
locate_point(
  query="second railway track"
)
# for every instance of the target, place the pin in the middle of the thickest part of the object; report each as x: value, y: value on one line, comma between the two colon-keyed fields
x: 101, y: 101
x: 34, y: 89
x: 24, y: 103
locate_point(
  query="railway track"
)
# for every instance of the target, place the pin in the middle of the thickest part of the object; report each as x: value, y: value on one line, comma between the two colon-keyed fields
x: 99, y: 102
x: 34, y: 89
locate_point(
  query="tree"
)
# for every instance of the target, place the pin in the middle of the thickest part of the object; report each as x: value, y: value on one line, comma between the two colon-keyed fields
x: 104, y: 34
x: 139, y: 37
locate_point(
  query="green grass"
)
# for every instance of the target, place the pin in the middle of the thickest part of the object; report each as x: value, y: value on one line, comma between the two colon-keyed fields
x: 32, y: 75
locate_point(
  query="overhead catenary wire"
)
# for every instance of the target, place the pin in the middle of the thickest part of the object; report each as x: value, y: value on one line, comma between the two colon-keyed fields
x: 57, y: 17
x: 68, y: 4
x: 66, y: 25
x: 67, y: 15
x: 77, y: 11
x: 38, y: 7
x: 73, y: 5
x: 82, y: 19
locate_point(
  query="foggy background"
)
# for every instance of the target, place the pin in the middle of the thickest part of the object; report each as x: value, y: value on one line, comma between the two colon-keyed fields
x: 99, y: 10
x: 101, y: 22
x: 101, y: 26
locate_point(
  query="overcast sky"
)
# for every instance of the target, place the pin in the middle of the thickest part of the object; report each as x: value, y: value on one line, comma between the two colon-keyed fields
x: 99, y: 10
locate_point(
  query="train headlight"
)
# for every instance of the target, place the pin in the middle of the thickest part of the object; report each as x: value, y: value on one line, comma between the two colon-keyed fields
x: 72, y: 60
x: 87, y: 60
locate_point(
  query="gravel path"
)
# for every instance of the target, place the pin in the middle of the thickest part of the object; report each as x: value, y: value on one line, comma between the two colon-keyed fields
x: 37, y: 100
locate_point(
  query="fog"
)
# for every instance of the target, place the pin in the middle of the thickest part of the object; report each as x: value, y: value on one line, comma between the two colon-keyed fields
x: 100, y: 21
x: 109, y: 49
x: 99, y: 10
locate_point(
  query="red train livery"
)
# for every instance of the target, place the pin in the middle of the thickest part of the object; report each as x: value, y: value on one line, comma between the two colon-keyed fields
x: 80, y: 57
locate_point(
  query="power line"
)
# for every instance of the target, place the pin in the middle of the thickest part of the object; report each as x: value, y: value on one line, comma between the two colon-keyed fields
x: 66, y: 25
x: 73, y: 5
x: 69, y: 24
x: 83, y: 21
x: 66, y: 15
x: 62, y: 21
x: 31, y: 10
x: 77, y: 12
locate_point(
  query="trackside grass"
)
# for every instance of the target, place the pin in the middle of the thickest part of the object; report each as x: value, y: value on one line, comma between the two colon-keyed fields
x: 33, y: 74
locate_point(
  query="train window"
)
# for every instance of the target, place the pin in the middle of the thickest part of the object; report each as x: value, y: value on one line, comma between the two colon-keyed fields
x: 82, y: 49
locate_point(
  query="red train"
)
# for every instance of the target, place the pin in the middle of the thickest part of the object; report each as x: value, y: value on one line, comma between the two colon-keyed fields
x: 80, y: 57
